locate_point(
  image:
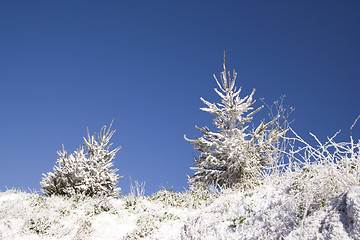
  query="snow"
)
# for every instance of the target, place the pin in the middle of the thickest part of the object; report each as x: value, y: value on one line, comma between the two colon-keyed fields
x: 317, y: 196
x: 266, y: 212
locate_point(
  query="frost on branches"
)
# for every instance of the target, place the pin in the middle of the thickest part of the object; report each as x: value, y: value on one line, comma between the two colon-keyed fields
x: 234, y: 155
x: 86, y: 171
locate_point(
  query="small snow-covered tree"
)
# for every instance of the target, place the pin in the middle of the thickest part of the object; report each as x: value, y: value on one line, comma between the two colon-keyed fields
x: 235, y: 154
x: 85, y: 172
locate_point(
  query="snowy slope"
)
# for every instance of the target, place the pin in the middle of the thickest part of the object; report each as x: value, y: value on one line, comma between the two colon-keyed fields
x: 267, y: 212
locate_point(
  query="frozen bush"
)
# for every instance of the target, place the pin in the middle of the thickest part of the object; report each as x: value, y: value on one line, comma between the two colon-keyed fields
x: 234, y: 154
x: 314, y: 176
x: 85, y: 172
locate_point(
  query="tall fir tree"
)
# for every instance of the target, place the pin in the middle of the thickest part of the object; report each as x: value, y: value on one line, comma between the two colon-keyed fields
x: 235, y: 155
x: 85, y: 172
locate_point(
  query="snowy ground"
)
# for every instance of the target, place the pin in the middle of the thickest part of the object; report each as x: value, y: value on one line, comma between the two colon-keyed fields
x: 316, y: 196
x: 266, y: 212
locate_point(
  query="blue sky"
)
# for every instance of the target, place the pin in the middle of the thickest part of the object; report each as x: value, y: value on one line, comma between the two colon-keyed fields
x: 67, y: 65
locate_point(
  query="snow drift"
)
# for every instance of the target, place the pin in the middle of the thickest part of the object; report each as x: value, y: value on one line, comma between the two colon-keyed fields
x: 268, y: 212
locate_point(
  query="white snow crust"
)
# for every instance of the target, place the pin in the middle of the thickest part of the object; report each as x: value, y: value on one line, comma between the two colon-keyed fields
x: 266, y: 212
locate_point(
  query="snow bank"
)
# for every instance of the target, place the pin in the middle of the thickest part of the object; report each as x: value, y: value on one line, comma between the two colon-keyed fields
x: 267, y: 212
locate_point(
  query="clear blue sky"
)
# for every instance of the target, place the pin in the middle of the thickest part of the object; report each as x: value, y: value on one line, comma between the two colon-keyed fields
x: 67, y: 65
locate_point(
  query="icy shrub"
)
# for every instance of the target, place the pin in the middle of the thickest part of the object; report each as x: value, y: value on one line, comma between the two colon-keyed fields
x: 85, y: 172
x: 234, y: 155
x: 40, y: 225
x: 314, y: 176
x: 146, y: 226
x: 186, y: 199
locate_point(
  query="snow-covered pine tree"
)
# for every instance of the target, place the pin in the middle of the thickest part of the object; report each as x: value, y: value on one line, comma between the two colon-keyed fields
x: 234, y: 155
x: 85, y: 172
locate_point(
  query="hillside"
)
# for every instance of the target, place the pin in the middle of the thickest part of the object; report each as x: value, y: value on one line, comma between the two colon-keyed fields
x: 267, y: 212
x: 315, y: 195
